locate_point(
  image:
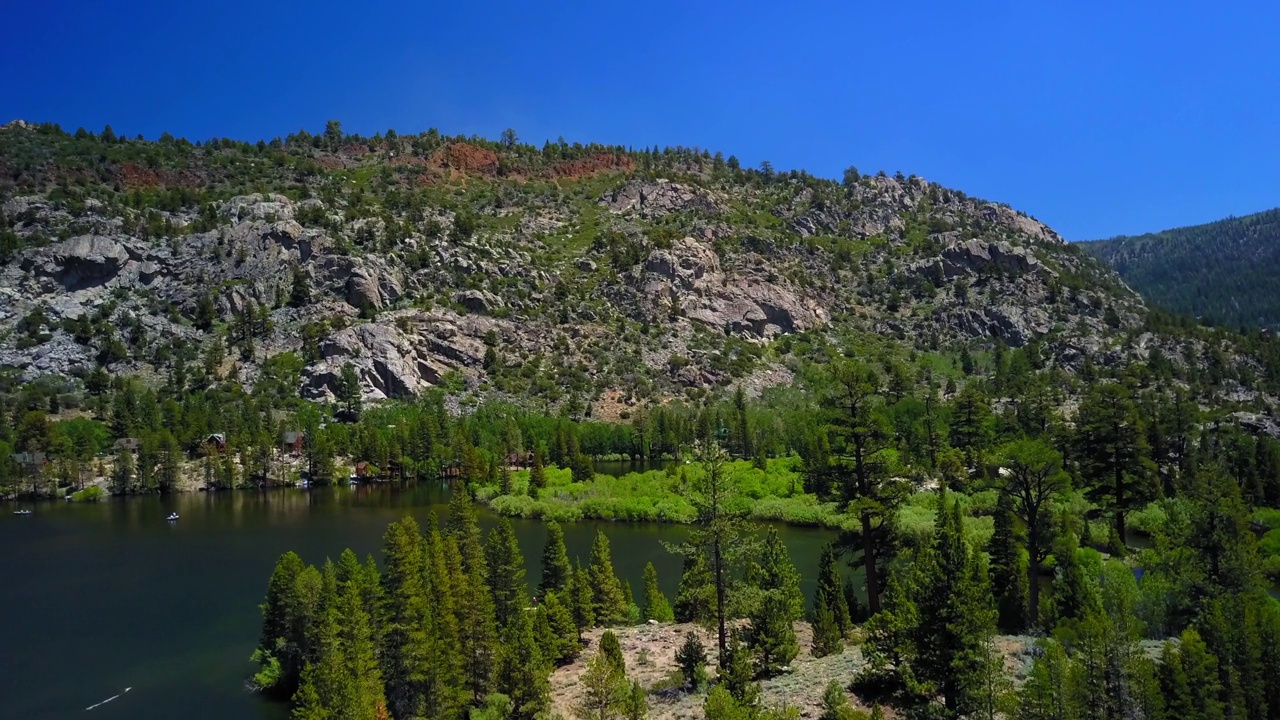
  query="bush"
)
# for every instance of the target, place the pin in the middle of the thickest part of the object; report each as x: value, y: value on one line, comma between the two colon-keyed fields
x: 93, y: 493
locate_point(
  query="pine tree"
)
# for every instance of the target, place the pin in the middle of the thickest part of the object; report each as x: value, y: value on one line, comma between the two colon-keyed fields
x: 721, y: 534
x: 407, y: 647
x: 696, y: 595
x: 1075, y: 595
x: 611, y: 649
x: 772, y: 637
x: 829, y: 592
x: 604, y: 690
x: 692, y: 659
x: 1034, y: 480
x: 1008, y: 576
x: 283, y: 617
x: 561, y: 642
x: 522, y: 674
x: 827, y: 639
x: 608, y: 603
x: 555, y: 561
x: 583, y: 605
x: 737, y: 674
x: 1111, y: 446
x: 537, y: 474
x: 445, y: 690
x: 477, y: 633
x: 955, y: 620
x: 359, y: 650
x: 852, y: 472
x: 505, y: 567
x: 635, y: 706
x: 656, y: 607
x: 1047, y: 693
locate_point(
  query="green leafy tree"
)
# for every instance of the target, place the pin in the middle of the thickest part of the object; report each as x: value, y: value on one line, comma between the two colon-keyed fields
x: 604, y: 690
x: 408, y: 649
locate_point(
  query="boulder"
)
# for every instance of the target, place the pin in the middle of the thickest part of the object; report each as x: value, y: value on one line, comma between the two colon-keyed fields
x: 87, y: 261
x: 481, y: 301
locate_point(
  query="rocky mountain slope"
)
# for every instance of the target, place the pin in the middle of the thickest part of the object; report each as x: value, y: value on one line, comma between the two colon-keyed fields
x: 566, y: 273
x: 1224, y: 272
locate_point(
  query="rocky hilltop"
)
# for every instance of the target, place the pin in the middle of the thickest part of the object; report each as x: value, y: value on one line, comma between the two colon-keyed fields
x: 561, y: 273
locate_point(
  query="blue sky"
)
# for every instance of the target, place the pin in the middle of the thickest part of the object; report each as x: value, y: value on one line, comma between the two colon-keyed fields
x: 1098, y: 118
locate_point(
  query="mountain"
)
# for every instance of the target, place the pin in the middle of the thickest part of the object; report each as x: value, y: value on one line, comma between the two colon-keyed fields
x: 578, y: 275
x: 1226, y: 272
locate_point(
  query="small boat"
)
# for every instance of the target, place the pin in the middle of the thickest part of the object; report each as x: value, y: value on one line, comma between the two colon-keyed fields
x: 172, y: 516
x: 21, y: 512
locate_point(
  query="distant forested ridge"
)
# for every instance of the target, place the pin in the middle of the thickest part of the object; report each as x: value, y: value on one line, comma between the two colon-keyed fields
x: 1223, y: 272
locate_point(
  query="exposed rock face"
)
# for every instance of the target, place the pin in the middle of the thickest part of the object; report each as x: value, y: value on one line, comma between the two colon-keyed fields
x: 478, y: 301
x: 656, y: 199
x: 86, y: 261
x: 974, y: 257
x: 741, y: 304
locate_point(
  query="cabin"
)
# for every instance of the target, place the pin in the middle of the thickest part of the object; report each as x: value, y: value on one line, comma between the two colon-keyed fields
x: 129, y: 444
x: 217, y: 441
x: 293, y: 441
x: 362, y: 469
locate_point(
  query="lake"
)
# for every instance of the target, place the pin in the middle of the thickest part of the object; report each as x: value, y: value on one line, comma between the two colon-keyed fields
x: 108, y: 596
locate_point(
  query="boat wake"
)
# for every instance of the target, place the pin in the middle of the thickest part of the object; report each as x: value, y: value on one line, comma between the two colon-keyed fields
x: 104, y: 702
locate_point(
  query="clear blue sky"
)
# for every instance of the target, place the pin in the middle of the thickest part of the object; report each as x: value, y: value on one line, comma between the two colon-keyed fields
x: 1096, y: 117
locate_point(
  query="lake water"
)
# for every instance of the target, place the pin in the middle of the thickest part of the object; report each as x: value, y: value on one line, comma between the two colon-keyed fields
x: 99, y: 598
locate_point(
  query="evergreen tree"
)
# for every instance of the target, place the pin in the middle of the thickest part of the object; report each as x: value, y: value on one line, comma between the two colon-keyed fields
x: 1075, y: 595
x: 608, y: 604
x: 505, y: 568
x: 827, y: 639
x: 611, y: 649
x: 721, y: 534
x: 829, y: 592
x: 779, y: 603
x: 691, y: 659
x: 853, y: 473
x: 1111, y: 446
x: 555, y: 561
x: 696, y: 595
x: 284, y: 614
x: 446, y: 691
x: 635, y: 706
x: 1008, y: 576
x: 537, y: 474
x: 477, y: 633
x: 1034, y: 479
x: 359, y: 650
x: 656, y: 607
x: 737, y: 674
x: 582, y: 597
x: 522, y: 674
x: 1047, y: 693
x: 604, y: 689
x: 561, y: 644
x: 955, y: 617
x: 407, y: 648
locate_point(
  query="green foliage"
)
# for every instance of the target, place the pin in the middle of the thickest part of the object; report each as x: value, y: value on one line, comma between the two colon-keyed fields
x: 656, y: 606
x: 608, y: 604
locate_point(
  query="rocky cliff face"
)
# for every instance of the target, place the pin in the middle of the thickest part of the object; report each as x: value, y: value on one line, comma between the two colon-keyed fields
x: 421, y: 260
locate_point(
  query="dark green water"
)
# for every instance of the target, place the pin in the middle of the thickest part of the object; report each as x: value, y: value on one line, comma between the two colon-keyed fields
x: 102, y: 597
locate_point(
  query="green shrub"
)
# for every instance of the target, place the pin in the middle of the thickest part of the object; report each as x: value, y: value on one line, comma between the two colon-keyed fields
x: 93, y: 493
